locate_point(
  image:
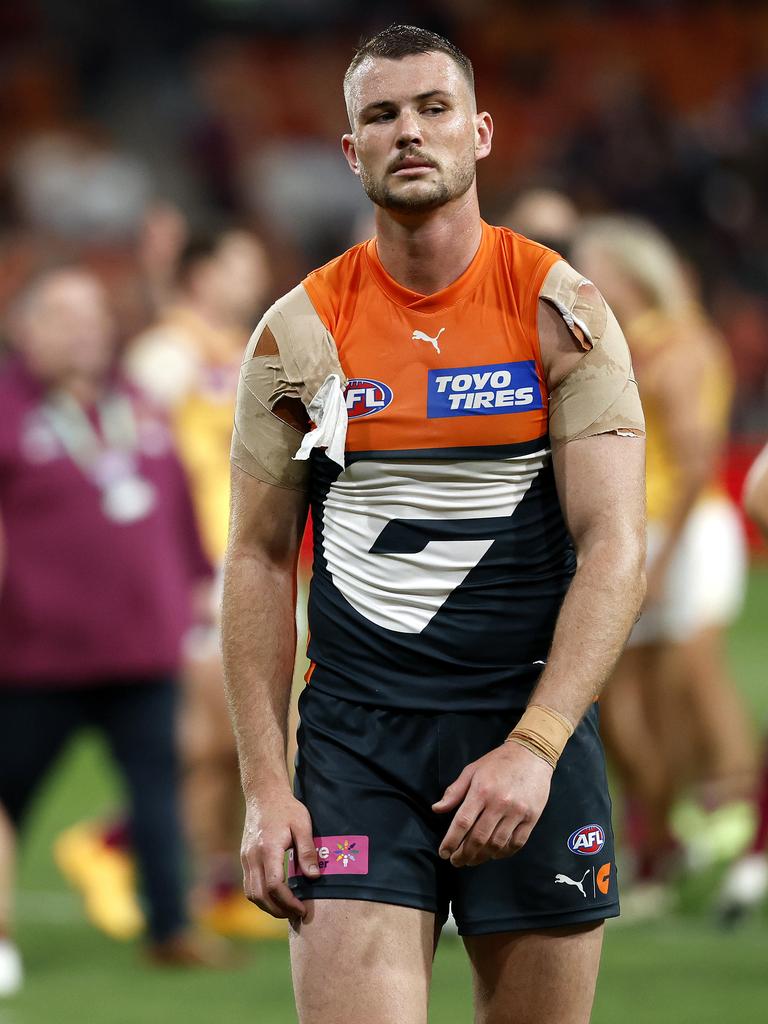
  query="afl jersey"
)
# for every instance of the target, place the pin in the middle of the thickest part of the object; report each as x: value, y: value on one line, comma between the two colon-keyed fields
x: 441, y: 557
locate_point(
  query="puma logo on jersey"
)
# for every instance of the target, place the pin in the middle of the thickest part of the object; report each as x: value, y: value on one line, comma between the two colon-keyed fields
x: 421, y: 336
x: 565, y: 880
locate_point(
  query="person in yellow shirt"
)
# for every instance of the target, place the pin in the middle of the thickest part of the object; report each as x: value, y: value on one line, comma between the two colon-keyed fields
x: 671, y: 715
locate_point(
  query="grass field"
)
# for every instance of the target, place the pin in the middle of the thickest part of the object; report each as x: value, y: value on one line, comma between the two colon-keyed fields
x: 678, y: 971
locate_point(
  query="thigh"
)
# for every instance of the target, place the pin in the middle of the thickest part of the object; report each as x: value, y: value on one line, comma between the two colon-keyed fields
x: 357, y: 961
x: 34, y: 727
x: 536, y: 977
x: 565, y: 875
x: 367, y: 777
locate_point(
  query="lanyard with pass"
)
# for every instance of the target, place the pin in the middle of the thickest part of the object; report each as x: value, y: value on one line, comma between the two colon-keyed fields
x: 106, y: 457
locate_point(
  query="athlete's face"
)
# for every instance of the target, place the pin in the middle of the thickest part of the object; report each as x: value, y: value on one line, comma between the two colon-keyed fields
x: 416, y: 136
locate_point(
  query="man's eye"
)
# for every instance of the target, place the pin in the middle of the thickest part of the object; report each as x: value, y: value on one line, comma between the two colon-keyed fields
x: 385, y: 115
x: 434, y: 110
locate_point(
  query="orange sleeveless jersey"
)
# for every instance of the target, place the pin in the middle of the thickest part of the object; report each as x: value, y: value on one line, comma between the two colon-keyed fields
x: 441, y: 557
x: 487, y: 317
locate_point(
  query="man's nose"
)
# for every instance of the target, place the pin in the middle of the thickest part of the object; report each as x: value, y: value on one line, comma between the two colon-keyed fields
x: 409, y: 133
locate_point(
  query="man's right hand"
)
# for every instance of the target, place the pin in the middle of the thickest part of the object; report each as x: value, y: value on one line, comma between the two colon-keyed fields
x: 275, y: 821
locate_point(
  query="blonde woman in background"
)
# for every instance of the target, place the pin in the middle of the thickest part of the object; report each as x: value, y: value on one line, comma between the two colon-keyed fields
x: 672, y: 717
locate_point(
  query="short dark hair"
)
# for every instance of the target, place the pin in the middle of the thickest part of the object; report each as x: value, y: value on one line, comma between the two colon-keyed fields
x: 400, y: 41
x: 201, y: 247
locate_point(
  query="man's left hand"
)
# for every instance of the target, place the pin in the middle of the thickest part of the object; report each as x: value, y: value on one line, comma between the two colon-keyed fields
x: 499, y: 798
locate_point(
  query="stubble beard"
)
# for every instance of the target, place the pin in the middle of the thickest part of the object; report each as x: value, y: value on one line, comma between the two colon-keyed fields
x: 425, y: 200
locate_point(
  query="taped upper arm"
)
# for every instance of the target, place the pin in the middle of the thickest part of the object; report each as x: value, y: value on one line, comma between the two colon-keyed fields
x: 289, y: 356
x: 263, y: 441
x: 589, y: 369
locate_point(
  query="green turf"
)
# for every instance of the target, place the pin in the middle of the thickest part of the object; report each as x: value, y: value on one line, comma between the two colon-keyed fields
x: 678, y: 971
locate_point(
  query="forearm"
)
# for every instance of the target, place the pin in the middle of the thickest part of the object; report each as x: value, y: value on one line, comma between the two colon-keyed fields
x: 595, y: 619
x: 259, y: 647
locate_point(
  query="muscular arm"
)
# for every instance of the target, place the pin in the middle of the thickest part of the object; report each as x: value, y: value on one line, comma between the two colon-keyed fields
x: 259, y: 646
x: 258, y: 622
x: 601, y: 484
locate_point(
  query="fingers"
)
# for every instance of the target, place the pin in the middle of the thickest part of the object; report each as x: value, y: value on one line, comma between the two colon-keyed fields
x: 304, y: 846
x: 264, y: 882
x: 476, y: 848
x: 463, y: 820
x: 455, y: 793
x: 520, y: 836
x: 277, y: 888
x: 485, y: 829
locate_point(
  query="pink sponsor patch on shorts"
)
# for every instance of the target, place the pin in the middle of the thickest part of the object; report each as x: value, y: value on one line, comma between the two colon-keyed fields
x: 336, y: 855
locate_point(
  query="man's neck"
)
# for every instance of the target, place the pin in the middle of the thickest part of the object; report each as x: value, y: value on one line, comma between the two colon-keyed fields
x: 428, y: 253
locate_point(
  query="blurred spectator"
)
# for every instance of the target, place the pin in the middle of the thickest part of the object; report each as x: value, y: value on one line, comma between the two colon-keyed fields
x: 189, y: 362
x: 163, y: 235
x: 671, y: 713
x: 100, y: 555
x: 545, y: 215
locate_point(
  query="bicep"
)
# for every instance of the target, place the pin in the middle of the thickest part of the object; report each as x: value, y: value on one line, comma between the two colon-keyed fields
x: 601, y: 485
x: 266, y: 521
x: 585, y: 361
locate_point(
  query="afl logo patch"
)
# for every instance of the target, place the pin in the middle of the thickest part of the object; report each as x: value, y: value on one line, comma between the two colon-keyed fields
x: 587, y: 840
x: 364, y: 397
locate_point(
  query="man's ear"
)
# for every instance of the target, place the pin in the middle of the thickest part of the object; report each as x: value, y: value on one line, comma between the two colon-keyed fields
x: 350, y: 153
x: 483, y: 134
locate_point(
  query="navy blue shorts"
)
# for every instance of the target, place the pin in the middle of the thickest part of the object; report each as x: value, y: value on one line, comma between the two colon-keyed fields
x: 369, y: 777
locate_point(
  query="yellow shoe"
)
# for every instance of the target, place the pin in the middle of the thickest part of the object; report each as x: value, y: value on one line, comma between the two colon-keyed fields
x: 235, y: 916
x: 105, y: 877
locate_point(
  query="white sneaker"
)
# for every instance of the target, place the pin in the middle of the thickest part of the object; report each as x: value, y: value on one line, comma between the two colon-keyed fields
x: 744, y: 887
x: 10, y: 969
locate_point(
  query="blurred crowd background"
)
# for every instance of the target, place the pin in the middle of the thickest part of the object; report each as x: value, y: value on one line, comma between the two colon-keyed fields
x: 114, y: 114
x: 183, y: 156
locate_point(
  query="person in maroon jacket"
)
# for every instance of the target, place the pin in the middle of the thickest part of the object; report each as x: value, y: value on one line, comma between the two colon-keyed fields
x: 99, y: 554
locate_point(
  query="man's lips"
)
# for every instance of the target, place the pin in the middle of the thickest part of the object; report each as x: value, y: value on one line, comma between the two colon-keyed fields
x: 412, y: 165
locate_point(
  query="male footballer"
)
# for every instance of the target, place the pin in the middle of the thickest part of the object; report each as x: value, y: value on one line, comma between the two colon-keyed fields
x: 457, y: 408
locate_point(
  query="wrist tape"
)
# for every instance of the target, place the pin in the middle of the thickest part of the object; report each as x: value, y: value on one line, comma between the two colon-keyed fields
x: 542, y: 731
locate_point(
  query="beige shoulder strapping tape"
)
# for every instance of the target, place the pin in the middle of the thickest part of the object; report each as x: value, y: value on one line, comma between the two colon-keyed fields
x: 263, y: 445
x: 599, y: 396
